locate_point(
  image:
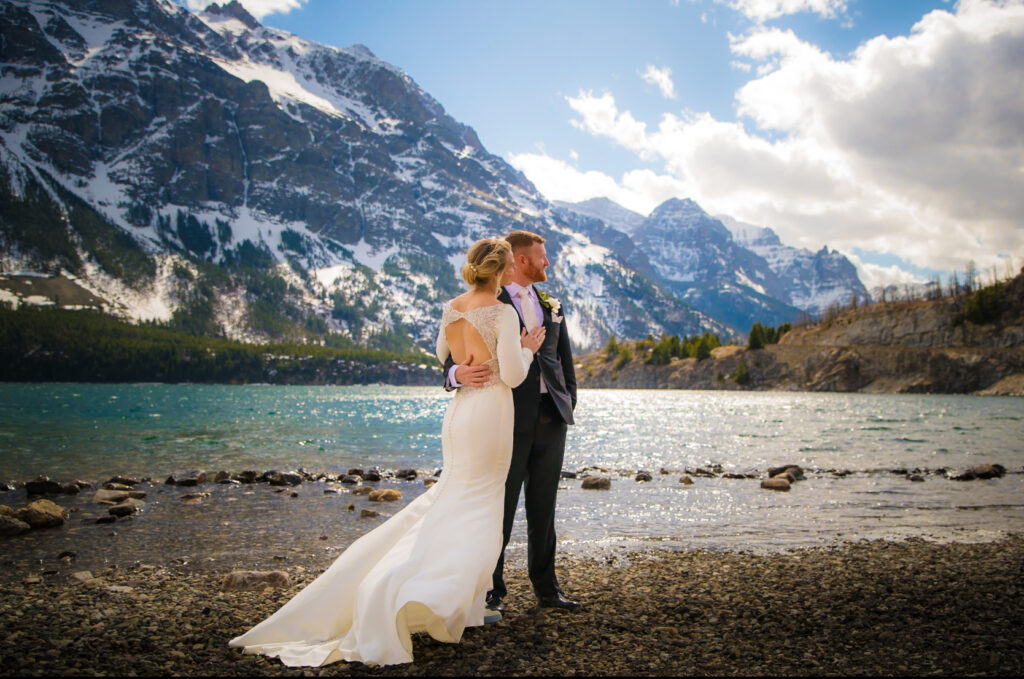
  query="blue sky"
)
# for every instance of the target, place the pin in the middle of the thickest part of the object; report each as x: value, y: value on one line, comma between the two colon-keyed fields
x: 892, y: 130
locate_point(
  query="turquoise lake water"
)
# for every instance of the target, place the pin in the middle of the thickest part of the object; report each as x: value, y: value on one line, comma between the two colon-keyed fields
x: 92, y: 432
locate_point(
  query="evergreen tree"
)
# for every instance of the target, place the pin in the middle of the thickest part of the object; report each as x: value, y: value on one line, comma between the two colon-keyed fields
x: 756, y: 338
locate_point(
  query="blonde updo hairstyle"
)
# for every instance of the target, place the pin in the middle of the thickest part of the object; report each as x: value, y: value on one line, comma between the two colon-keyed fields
x: 486, y: 259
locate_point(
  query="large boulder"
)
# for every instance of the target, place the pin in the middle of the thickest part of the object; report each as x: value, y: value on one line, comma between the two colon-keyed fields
x: 597, y: 483
x: 10, y: 526
x: 246, y: 581
x: 42, y: 514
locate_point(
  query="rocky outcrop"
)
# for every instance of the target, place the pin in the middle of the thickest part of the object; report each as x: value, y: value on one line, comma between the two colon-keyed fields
x: 923, y: 346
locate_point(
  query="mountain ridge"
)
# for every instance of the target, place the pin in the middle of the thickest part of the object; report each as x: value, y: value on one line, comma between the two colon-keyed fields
x: 232, y: 179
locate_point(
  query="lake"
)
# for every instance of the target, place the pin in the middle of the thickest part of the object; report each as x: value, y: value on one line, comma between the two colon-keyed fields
x: 92, y: 432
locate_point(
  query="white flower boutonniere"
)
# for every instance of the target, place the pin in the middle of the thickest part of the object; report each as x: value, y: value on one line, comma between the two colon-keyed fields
x: 552, y: 304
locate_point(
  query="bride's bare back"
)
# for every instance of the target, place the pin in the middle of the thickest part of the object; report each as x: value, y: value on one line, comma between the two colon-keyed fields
x: 464, y: 340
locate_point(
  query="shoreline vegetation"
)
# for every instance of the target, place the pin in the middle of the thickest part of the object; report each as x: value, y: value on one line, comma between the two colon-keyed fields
x: 969, y: 342
x: 868, y: 608
x: 59, y: 345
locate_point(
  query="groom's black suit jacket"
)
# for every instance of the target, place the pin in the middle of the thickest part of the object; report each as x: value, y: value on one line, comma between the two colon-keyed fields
x: 553, y: 361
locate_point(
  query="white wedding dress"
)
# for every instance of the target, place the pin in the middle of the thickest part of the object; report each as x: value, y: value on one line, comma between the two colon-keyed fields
x: 427, y: 568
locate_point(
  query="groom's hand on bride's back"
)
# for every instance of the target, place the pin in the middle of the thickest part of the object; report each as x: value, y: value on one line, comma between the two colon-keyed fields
x: 467, y: 375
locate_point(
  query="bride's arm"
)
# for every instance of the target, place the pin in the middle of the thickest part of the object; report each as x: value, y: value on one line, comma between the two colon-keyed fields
x: 442, y: 345
x: 513, y: 359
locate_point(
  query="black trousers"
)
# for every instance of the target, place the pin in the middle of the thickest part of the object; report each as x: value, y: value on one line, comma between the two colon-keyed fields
x: 537, y: 464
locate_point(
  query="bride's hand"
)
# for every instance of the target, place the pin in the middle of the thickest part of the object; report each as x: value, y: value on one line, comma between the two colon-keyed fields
x: 533, y: 339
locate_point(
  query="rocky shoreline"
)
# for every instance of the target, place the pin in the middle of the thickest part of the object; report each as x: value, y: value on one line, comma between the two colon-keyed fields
x: 887, y: 608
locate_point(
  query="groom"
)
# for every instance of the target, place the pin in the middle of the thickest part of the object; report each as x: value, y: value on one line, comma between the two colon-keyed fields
x: 544, y: 404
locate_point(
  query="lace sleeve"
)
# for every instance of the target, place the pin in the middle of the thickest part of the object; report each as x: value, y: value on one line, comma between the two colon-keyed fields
x: 513, y: 358
x: 442, y: 344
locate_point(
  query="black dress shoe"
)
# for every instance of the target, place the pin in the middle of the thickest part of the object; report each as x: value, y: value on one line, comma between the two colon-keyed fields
x: 557, y: 600
x: 495, y: 602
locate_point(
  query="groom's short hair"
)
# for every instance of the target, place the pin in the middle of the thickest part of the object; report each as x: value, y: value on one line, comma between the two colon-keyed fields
x: 523, y: 239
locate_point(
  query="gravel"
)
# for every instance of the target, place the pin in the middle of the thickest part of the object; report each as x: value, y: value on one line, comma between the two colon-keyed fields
x: 894, y: 608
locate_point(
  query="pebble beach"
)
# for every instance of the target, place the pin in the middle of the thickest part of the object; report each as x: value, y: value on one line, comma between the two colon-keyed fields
x: 907, y: 607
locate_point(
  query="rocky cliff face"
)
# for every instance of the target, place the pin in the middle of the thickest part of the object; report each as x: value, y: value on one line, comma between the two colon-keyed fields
x: 241, y: 180
x: 924, y: 346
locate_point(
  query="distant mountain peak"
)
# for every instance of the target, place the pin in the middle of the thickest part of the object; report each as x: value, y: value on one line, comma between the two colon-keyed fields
x: 679, y: 207
x: 235, y: 10
x: 608, y: 211
x: 363, y: 51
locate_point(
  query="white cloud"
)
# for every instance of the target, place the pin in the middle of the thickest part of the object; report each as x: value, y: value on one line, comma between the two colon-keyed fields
x: 258, y: 8
x: 638, y: 190
x: 878, y: 276
x: 763, y: 10
x: 913, y: 146
x: 601, y: 117
x: 662, y: 77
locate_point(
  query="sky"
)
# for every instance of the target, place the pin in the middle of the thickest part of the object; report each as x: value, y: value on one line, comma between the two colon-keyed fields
x: 890, y: 130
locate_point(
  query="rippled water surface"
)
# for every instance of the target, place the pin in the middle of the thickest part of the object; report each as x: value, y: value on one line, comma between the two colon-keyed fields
x: 95, y: 431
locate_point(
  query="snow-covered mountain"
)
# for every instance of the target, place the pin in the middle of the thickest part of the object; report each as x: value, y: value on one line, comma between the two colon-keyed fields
x: 732, y: 271
x: 609, y: 212
x: 231, y: 178
x: 813, y: 281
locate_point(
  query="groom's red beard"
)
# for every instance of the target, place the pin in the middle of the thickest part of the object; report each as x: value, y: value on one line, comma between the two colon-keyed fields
x: 537, y: 274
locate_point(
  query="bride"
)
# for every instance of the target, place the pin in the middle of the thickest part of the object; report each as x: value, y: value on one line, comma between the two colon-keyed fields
x: 428, y: 568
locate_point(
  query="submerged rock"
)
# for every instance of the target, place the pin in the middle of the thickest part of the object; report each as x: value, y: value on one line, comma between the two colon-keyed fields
x: 126, y: 508
x: 284, y: 478
x: 686, y: 481
x: 795, y: 471
x: 362, y: 490
x: 776, y: 483
x: 644, y: 476
x: 596, y: 483
x: 124, y: 480
x: 10, y: 526
x: 385, y: 495
x: 104, y: 496
x: 43, y: 485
